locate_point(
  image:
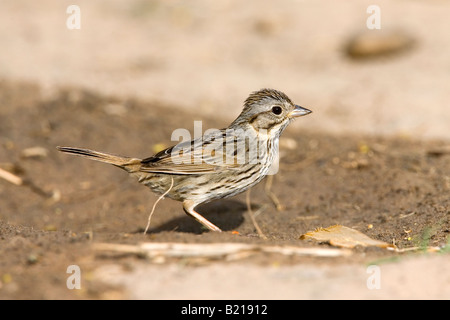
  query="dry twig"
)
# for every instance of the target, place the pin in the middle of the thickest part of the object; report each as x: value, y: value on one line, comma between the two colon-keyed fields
x: 12, y: 178
x: 18, y: 181
x: 228, y: 251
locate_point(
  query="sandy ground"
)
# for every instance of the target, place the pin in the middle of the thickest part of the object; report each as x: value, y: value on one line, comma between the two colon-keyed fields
x: 393, y: 190
x: 374, y: 152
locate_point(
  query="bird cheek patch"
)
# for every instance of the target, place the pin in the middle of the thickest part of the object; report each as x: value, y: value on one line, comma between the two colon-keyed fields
x: 263, y: 121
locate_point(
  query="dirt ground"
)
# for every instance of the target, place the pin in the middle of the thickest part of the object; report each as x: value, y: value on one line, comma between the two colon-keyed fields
x: 394, y: 189
x: 373, y: 156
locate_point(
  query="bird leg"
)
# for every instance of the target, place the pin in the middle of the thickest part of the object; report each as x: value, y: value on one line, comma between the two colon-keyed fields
x: 154, y: 206
x: 272, y: 196
x: 252, y: 216
x: 188, y: 206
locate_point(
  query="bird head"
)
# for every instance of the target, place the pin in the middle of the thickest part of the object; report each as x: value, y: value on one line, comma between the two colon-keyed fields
x: 269, y: 110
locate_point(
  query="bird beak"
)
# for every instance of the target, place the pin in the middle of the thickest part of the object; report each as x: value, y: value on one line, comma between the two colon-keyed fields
x: 298, y: 112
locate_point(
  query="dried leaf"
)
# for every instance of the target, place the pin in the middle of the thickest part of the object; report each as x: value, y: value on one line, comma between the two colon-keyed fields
x: 345, y: 237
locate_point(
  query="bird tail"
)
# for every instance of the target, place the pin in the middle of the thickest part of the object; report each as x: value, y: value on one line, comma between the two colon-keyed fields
x: 129, y: 164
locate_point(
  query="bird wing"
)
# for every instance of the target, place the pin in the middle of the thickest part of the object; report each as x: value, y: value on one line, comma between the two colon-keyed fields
x: 199, y: 156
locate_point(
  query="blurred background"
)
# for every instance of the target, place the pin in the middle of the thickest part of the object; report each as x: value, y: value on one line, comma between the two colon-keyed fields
x: 207, y: 56
x: 365, y: 68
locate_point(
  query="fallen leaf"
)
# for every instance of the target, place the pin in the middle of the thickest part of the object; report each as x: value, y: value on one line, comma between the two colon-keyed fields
x: 345, y: 237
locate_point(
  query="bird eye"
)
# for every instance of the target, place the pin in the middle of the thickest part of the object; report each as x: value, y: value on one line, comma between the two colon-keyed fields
x: 277, y: 110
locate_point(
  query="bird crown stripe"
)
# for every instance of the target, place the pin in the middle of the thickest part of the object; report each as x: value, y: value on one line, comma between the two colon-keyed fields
x: 266, y: 93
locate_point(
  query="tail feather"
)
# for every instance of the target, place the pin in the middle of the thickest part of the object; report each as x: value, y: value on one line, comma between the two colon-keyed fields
x: 129, y: 164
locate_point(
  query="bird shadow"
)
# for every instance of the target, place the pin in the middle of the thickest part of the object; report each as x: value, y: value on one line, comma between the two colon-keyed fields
x: 226, y: 214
